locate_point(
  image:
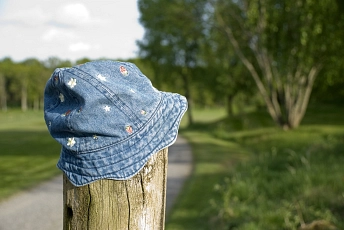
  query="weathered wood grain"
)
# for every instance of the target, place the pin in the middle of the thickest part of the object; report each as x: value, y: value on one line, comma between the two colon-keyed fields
x: 137, y: 203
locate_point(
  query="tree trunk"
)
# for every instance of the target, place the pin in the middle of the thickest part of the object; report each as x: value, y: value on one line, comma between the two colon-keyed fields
x: 229, y: 108
x: 24, y: 98
x: 36, y: 104
x: 184, y: 75
x: 3, y: 93
x: 287, y: 115
x: 137, y: 203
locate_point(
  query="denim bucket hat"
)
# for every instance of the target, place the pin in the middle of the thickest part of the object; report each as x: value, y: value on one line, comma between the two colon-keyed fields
x: 109, y: 119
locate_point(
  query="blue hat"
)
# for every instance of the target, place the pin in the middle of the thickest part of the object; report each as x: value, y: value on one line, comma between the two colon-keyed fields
x: 109, y: 119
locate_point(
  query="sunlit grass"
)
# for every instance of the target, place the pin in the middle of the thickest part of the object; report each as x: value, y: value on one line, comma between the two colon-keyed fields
x: 28, y: 154
x: 250, y: 174
x: 203, y: 115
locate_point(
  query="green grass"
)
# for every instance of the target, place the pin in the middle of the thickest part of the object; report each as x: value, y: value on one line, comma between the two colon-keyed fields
x: 250, y: 174
x: 28, y: 154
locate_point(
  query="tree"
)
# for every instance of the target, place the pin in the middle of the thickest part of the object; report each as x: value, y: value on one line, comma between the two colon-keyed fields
x: 284, y: 45
x: 82, y: 61
x: 3, y: 93
x: 37, y: 75
x: 54, y: 62
x: 29, y: 74
x: 172, y: 38
x: 227, y: 76
x: 5, y: 74
x: 329, y: 87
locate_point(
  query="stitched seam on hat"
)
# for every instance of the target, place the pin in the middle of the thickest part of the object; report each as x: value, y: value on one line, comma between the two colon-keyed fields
x: 113, y: 144
x: 119, y: 176
x: 113, y: 96
x: 152, y: 152
x: 67, y: 91
x: 155, y: 150
x: 178, y: 119
x: 121, y: 141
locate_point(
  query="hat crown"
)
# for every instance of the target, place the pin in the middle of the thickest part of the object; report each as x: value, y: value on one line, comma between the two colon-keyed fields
x: 109, y: 119
x: 98, y: 104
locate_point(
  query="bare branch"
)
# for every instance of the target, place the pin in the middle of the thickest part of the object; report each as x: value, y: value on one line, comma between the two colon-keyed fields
x: 250, y: 67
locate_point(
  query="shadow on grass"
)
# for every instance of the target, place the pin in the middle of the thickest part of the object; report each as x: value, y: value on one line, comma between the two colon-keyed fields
x: 213, y: 161
x: 298, y: 166
x: 324, y: 115
x: 27, y: 143
x: 193, y: 209
x: 278, y: 180
x: 27, y: 157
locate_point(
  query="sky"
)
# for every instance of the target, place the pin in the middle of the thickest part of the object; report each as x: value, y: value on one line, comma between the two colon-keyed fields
x: 69, y: 29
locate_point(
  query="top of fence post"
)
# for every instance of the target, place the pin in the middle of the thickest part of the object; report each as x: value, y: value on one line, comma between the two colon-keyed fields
x: 136, y: 203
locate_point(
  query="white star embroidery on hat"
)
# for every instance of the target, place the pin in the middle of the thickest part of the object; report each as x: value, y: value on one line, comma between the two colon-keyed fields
x: 61, y: 97
x: 101, y: 77
x: 107, y: 108
x: 72, y: 82
x: 131, y: 90
x: 71, y: 142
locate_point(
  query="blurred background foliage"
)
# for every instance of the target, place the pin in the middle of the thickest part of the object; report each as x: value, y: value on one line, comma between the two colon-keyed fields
x: 248, y: 69
x: 233, y: 54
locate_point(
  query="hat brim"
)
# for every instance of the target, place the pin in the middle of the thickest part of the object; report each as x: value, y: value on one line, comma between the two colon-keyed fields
x: 125, y: 159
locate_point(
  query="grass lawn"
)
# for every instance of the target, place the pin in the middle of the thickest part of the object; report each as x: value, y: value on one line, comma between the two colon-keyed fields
x: 249, y: 174
x: 28, y: 154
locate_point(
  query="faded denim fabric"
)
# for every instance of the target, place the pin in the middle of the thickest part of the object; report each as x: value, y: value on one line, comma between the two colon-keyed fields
x: 109, y: 119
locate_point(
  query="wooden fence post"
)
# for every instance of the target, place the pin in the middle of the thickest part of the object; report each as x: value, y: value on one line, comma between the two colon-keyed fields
x: 137, y: 203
